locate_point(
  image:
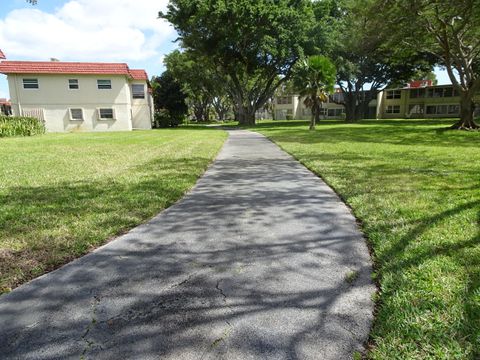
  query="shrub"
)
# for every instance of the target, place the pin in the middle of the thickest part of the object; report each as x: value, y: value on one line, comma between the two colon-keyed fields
x: 164, y: 119
x: 20, y: 126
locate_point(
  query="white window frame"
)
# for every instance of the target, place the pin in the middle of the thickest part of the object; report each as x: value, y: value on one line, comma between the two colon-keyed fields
x: 143, y: 91
x: 106, y: 119
x: 70, y: 84
x: 104, y: 88
x: 34, y: 81
x: 394, y: 94
x: 71, y: 115
x: 391, y: 109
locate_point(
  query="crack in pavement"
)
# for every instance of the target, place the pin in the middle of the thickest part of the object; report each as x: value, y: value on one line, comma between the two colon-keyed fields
x: 90, y: 343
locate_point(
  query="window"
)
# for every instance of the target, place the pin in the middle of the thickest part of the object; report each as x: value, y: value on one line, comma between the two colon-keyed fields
x: 104, y: 84
x: 331, y: 112
x: 438, y: 92
x: 393, y: 109
x: 415, y: 109
x: 138, y: 91
x: 73, y: 84
x: 417, y: 93
x: 431, y: 109
x: 30, y: 83
x: 442, y: 109
x: 76, y: 114
x: 105, y: 114
x: 454, y: 109
x: 284, y: 100
x: 394, y: 94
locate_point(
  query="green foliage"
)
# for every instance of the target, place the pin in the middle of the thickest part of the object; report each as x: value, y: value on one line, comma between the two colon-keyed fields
x: 198, y: 79
x: 169, y: 100
x: 448, y: 30
x: 366, y: 61
x: 62, y: 195
x: 254, y: 43
x: 163, y: 119
x: 20, y: 126
x: 314, y: 79
x: 418, y: 200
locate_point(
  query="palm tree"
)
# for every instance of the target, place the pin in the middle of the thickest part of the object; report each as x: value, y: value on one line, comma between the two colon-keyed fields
x: 314, y: 78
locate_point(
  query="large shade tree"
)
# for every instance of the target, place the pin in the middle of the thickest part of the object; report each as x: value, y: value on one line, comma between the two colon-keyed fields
x: 450, y: 31
x: 314, y: 79
x: 254, y: 43
x: 196, y: 79
x: 204, y: 86
x: 356, y: 38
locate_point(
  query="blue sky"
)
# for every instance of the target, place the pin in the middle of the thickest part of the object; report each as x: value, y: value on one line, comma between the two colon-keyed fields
x: 90, y: 30
x: 86, y: 30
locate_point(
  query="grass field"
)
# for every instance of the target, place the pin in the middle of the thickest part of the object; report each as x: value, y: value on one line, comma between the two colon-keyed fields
x: 416, y: 190
x: 61, y: 195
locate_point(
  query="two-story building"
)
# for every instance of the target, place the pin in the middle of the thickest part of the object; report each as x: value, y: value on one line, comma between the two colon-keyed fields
x: 291, y: 106
x: 418, y: 100
x: 79, y: 96
x: 412, y: 102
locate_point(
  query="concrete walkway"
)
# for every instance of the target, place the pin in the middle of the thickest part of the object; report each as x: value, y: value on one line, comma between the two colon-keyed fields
x: 254, y: 263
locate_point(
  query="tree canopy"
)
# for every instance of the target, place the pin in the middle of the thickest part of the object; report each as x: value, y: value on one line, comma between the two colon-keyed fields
x: 354, y: 35
x: 254, y: 43
x: 447, y: 29
x: 169, y: 100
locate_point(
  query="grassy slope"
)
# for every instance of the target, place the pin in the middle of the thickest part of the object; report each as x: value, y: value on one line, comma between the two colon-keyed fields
x: 417, y: 191
x: 61, y: 195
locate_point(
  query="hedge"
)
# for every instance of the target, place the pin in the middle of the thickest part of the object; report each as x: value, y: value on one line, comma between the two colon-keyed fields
x: 20, y: 126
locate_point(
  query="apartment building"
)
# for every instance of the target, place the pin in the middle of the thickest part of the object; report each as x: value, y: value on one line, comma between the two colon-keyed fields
x: 291, y: 106
x: 80, y: 96
x: 441, y: 101
x: 420, y: 99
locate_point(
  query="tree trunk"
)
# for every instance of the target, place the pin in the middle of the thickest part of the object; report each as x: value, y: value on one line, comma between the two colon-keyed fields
x: 350, y: 108
x: 467, y: 107
x: 245, y: 116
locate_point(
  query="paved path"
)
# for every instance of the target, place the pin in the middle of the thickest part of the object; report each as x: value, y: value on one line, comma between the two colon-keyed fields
x: 251, y: 264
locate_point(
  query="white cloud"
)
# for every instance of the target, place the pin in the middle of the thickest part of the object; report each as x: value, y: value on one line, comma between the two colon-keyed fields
x: 107, y: 30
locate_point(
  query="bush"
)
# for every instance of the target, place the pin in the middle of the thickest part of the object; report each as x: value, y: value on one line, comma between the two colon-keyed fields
x: 164, y: 119
x: 20, y: 126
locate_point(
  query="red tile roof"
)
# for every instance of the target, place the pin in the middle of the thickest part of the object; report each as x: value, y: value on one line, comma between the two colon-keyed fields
x: 138, y: 74
x: 61, y: 67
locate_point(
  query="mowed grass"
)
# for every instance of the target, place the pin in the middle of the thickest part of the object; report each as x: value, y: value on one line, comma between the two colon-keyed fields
x: 61, y: 195
x: 416, y: 190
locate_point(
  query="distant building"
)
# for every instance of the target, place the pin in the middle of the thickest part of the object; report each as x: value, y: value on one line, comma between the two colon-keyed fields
x: 77, y: 96
x: 420, y: 99
x: 291, y: 106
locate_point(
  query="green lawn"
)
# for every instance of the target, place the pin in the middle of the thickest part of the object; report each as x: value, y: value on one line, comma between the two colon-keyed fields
x: 61, y: 195
x: 416, y: 190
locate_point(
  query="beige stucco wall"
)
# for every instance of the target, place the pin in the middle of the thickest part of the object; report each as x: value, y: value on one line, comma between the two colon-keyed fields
x: 55, y: 98
x: 300, y: 111
x: 141, y: 109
